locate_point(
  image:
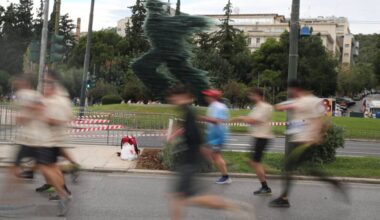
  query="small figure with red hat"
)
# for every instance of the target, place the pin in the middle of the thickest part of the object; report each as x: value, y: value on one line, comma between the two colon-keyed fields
x: 217, y: 115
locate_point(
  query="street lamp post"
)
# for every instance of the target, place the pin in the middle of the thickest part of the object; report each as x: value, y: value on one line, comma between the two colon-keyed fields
x: 86, y: 64
x: 44, y: 39
x: 293, y: 55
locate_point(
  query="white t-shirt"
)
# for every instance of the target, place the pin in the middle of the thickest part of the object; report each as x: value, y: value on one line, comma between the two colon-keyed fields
x: 307, y: 119
x: 262, y: 113
x: 34, y: 132
x: 58, y: 108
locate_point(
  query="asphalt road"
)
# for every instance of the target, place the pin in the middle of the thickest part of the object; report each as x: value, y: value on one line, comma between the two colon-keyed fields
x: 138, y: 197
x: 235, y: 142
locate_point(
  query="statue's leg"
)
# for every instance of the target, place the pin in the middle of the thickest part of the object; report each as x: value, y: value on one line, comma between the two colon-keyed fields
x: 145, y: 69
x: 195, y: 78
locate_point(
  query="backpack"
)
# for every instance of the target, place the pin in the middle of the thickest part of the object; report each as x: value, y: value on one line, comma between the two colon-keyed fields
x: 129, y: 148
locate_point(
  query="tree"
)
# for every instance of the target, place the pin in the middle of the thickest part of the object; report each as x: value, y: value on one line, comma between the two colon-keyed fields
x: 220, y: 71
x: 353, y: 80
x: 101, y: 89
x: 137, y: 39
x: 236, y: 93
x: 4, y: 82
x: 16, y: 34
x: 376, y: 62
x: 71, y: 79
x: 227, y: 34
x: 317, y: 67
x: 178, y: 8
x: 66, y: 28
x: 134, y: 89
x: 107, y: 56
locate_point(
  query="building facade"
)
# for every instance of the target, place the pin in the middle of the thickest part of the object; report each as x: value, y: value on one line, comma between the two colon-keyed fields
x: 121, y: 26
x: 334, y: 32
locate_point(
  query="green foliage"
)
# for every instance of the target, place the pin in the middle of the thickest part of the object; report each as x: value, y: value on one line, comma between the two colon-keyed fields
x: 376, y: 61
x: 102, y: 89
x: 326, y: 152
x: 111, y: 99
x: 107, y: 56
x: 317, y: 68
x: 355, y: 79
x: 368, y: 49
x: 236, y: 93
x: 219, y: 69
x: 226, y: 34
x: 173, y: 157
x: 4, y: 82
x: 134, y: 89
x: 16, y: 32
x: 66, y: 28
x: 71, y: 79
x: 136, y: 37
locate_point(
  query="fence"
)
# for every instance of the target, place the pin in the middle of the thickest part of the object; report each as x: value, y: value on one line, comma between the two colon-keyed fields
x: 107, y: 128
x: 93, y: 127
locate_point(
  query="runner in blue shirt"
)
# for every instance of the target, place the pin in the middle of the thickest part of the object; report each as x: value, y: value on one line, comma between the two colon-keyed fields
x: 217, y: 115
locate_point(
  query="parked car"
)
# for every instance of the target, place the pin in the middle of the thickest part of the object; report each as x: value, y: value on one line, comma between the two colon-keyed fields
x: 345, y: 101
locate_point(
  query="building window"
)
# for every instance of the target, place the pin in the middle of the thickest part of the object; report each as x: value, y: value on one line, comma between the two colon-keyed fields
x: 347, y: 45
x: 346, y: 54
x: 249, y: 41
x: 258, y: 40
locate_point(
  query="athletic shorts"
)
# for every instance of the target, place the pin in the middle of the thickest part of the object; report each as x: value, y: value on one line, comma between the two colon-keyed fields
x: 186, y: 182
x: 47, y: 156
x: 259, y: 146
x: 25, y: 152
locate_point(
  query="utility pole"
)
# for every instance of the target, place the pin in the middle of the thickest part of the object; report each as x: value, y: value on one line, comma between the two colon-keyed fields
x: 87, y: 60
x: 44, y: 38
x: 293, y: 56
x: 57, y: 16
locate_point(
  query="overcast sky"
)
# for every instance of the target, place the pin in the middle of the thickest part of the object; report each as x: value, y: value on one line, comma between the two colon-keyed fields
x: 363, y: 14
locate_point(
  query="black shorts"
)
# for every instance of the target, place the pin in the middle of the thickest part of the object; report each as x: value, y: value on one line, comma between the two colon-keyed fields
x: 25, y: 152
x: 186, y: 182
x: 259, y: 146
x: 47, y: 156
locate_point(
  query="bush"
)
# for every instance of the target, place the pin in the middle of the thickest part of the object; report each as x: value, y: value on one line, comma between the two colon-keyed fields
x: 111, y: 99
x: 173, y: 157
x: 326, y: 152
x: 102, y: 89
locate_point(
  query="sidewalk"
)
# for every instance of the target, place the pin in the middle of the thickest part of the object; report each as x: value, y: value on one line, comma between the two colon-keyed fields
x: 91, y: 158
x: 94, y: 158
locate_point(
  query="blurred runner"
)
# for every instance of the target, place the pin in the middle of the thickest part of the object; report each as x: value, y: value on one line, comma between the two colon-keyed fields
x: 57, y: 115
x: 30, y: 109
x: 60, y: 110
x: 187, y: 189
x: 306, y: 131
x: 217, y: 115
x: 260, y: 119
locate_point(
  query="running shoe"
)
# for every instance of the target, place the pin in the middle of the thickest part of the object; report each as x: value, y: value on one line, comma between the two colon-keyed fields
x: 45, y: 188
x: 280, y: 203
x: 63, y: 207
x: 263, y: 191
x: 224, y: 180
x: 55, y: 196
x: 75, y: 172
x: 26, y: 175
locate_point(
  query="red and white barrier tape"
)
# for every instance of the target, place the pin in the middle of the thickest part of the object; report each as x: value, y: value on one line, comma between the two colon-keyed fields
x: 93, y: 116
x: 115, y: 136
x: 100, y: 128
x: 90, y: 121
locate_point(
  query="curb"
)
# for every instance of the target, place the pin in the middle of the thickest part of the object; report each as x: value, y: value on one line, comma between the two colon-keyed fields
x: 234, y: 175
x: 281, y: 136
x: 273, y: 177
